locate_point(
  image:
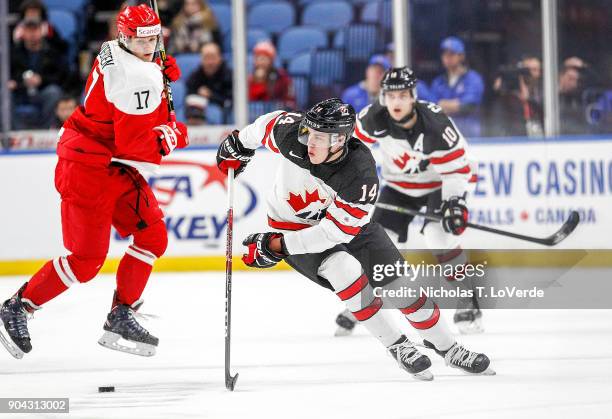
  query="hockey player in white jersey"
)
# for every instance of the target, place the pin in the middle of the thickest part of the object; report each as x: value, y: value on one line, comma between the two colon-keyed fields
x: 319, y: 207
x: 424, y: 164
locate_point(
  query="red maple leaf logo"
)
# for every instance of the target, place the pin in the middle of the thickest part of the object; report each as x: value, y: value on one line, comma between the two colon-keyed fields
x: 402, y: 161
x: 298, y: 203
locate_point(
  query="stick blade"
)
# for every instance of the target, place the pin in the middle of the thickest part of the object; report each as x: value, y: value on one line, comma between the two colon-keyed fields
x: 230, y: 382
x: 566, y: 229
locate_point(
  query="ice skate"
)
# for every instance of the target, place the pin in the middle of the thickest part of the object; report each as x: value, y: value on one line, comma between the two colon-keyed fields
x: 346, y: 323
x: 464, y: 359
x: 124, y: 333
x: 15, y: 335
x: 410, y: 359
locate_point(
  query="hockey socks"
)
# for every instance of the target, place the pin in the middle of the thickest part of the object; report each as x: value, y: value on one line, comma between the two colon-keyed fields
x: 133, y: 273
x: 51, y: 280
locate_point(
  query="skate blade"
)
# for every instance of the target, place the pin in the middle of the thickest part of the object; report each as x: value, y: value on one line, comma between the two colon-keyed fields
x: 8, y: 344
x: 423, y: 376
x: 470, y: 328
x: 341, y: 331
x: 488, y: 371
x: 110, y: 340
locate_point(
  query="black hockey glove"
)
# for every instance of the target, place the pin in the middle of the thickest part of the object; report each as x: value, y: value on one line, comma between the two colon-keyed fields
x: 260, y: 255
x: 232, y: 154
x: 454, y: 215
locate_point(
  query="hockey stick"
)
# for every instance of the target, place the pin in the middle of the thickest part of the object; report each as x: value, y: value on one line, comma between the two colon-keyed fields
x: 167, y: 88
x: 230, y: 381
x: 565, y: 230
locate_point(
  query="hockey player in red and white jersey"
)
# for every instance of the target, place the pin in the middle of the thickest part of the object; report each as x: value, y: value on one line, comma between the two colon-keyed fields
x: 119, y: 134
x: 319, y: 206
x: 424, y: 164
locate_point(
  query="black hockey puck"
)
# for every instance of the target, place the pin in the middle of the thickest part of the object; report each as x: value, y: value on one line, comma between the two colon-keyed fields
x: 109, y: 389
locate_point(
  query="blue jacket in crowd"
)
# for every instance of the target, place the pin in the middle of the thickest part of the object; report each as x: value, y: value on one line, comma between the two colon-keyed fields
x: 469, y: 89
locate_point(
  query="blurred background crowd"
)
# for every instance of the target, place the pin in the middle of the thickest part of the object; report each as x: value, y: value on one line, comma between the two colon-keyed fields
x: 481, y: 61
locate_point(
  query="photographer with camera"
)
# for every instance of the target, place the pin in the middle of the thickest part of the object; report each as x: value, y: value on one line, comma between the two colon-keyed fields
x: 518, y: 106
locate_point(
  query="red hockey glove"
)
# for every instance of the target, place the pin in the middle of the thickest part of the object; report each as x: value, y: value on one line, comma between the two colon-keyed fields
x: 454, y: 215
x: 171, y: 138
x: 232, y: 154
x: 171, y: 68
x: 260, y: 255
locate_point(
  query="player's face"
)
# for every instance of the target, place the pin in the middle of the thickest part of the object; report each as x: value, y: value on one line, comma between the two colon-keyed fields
x: 143, y: 48
x: 322, y: 144
x: 399, y: 103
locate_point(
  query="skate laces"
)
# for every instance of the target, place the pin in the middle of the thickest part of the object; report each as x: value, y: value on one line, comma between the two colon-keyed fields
x: 460, y: 356
x: 18, y: 319
x: 128, y: 316
x: 405, y: 352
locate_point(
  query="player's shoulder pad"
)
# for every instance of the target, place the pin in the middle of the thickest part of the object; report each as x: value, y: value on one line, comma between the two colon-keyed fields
x: 285, y: 130
x: 372, y: 118
x: 439, y: 129
x: 135, y: 87
x: 358, y: 170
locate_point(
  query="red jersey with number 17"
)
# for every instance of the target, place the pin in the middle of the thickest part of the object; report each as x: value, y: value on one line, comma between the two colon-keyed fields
x: 124, y: 100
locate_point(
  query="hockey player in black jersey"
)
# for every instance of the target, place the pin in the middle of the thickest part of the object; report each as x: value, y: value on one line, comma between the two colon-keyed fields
x: 319, y: 207
x: 425, y: 164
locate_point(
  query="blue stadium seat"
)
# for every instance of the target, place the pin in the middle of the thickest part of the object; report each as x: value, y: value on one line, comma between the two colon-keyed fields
x: 214, y: 114
x: 300, y: 64
x: 328, y: 15
x: 188, y: 63
x: 327, y: 67
x: 359, y: 41
x: 65, y: 23
x: 378, y: 12
x: 223, y: 13
x: 300, y: 39
x: 301, y: 87
x: 272, y: 16
x: 75, y: 6
x: 256, y: 109
x: 179, y: 91
x: 306, y: 2
x: 370, y: 12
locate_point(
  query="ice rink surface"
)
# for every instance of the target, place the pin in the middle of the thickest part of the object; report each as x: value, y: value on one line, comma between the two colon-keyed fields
x: 549, y: 363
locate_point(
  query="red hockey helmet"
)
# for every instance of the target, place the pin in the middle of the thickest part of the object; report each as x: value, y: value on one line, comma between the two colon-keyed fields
x: 138, y: 21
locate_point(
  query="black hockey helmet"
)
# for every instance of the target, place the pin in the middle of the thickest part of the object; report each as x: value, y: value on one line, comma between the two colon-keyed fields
x: 330, y: 116
x: 398, y: 78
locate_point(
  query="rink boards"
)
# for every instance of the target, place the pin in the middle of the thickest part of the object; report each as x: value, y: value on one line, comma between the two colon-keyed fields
x: 525, y: 185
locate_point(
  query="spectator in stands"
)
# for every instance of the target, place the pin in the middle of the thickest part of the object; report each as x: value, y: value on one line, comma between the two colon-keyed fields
x: 38, y: 69
x: 268, y: 83
x: 366, y: 91
x: 460, y: 90
x: 212, y: 81
x: 193, y: 27
x: 64, y: 108
x: 571, y: 108
x: 518, y: 107
x: 35, y: 10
